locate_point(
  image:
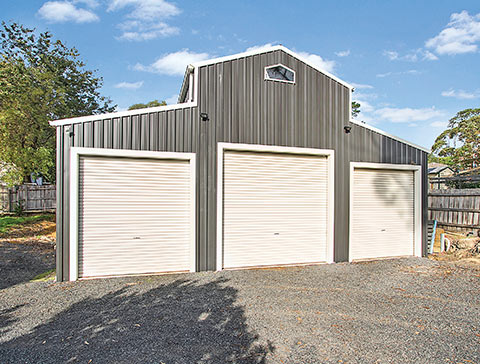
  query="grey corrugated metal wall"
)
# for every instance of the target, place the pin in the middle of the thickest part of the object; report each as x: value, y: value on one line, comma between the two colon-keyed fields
x: 242, y: 108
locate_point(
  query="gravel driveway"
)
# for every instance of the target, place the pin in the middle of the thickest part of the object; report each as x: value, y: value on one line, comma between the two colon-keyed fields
x: 392, y: 311
x: 22, y: 262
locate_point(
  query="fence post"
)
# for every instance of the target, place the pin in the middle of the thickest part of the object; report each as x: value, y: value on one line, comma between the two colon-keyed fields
x: 10, y: 198
x: 455, y: 208
x: 26, y: 198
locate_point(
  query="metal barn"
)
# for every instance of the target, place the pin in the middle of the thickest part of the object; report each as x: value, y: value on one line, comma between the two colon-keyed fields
x: 259, y: 164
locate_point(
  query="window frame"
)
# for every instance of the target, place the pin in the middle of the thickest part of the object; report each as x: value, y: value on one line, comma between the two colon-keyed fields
x: 268, y: 78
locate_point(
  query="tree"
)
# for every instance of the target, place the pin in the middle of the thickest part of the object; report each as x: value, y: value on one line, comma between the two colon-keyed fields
x: 355, y: 108
x: 153, y: 103
x: 40, y: 80
x: 459, y: 145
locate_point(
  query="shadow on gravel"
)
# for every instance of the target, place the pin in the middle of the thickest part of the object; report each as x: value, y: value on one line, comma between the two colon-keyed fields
x: 180, y: 322
x: 7, y: 317
x: 20, y: 262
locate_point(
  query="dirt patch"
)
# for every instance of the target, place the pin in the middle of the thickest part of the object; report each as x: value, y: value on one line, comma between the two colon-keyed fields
x: 40, y: 234
x: 27, y: 248
x: 460, y: 259
x: 463, y: 251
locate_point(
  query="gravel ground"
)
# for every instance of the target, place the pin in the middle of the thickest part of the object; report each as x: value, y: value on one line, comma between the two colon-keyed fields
x: 392, y: 311
x: 22, y: 262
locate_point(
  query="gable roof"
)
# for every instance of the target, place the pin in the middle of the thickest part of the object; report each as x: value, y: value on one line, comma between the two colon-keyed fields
x: 184, y: 88
x: 438, y: 169
x: 267, y: 50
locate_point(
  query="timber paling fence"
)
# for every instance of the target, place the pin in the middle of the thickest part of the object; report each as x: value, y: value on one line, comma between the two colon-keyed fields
x: 455, y: 209
x: 30, y: 196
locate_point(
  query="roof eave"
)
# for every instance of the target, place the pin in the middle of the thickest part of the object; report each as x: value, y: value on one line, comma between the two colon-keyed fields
x: 380, y: 131
x: 267, y: 50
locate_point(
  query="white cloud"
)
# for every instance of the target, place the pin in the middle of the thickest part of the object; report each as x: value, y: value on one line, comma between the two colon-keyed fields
x: 381, y: 75
x: 136, y: 31
x: 145, y: 9
x: 129, y: 85
x: 173, y: 64
x: 90, y: 3
x: 411, y: 72
x: 429, y: 56
x: 314, y: 59
x: 259, y: 48
x: 439, y: 124
x: 65, y: 11
x: 364, y: 96
x: 365, y: 106
x: 407, y: 72
x: 461, y: 35
x: 145, y: 19
x: 413, y: 56
x: 360, y: 86
x: 172, y: 99
x: 408, y: 115
x: 318, y: 61
x: 461, y: 94
x: 391, y: 55
x: 343, y: 53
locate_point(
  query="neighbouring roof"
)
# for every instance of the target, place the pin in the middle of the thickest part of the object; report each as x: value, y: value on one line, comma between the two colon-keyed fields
x: 435, y: 168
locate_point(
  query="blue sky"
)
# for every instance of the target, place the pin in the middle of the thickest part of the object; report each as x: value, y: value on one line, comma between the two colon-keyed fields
x: 414, y: 63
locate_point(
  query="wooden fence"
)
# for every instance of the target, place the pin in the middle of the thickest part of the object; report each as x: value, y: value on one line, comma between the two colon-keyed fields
x: 30, y: 196
x: 455, y: 209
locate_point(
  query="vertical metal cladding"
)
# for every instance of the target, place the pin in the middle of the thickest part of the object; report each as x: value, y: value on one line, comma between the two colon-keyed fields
x: 173, y: 131
x: 242, y: 108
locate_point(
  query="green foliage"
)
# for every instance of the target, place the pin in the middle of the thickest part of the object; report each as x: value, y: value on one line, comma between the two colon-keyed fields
x: 459, y: 145
x: 40, y: 80
x: 153, y: 103
x: 355, y: 108
x: 432, y: 158
x: 7, y: 222
x: 19, y: 208
x: 49, y: 275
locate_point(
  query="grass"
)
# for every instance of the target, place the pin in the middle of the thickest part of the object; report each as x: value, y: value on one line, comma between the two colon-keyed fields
x: 8, y: 222
x: 45, y: 276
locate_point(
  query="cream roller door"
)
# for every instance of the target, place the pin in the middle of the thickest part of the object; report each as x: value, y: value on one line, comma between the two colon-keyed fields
x: 274, y: 208
x: 134, y: 216
x: 383, y: 213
